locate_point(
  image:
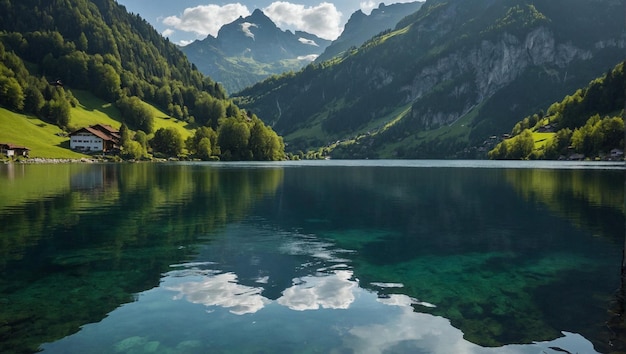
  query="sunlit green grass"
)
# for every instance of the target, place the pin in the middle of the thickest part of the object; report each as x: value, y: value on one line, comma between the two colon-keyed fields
x: 49, y: 141
x: 43, y: 139
x: 92, y: 110
x: 162, y: 120
x: 541, y: 139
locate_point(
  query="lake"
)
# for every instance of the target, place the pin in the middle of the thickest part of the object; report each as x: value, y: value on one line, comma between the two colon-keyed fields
x: 312, y: 257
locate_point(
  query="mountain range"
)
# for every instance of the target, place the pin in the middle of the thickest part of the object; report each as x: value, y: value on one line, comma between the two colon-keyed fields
x: 250, y: 49
x: 444, y: 79
x: 253, y: 48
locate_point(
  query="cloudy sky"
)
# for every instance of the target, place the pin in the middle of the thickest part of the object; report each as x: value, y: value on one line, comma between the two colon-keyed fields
x: 184, y: 21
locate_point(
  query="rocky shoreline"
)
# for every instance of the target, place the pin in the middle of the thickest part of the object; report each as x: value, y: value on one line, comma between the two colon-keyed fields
x: 37, y: 160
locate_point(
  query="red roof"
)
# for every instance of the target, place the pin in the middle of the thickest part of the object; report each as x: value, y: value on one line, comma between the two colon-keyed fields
x: 100, y: 134
x: 105, y: 127
x: 13, y: 146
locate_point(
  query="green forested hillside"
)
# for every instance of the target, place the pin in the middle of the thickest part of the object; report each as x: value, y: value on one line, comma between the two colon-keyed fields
x: 49, y: 48
x: 448, y: 77
x: 588, y: 123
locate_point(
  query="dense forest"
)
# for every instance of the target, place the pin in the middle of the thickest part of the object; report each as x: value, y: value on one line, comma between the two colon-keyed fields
x: 48, y: 48
x: 588, y: 123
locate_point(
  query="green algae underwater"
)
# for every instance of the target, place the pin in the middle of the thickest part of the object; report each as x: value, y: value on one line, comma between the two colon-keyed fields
x: 310, y: 257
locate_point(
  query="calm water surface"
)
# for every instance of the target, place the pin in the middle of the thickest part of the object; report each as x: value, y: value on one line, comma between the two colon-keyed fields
x: 311, y: 257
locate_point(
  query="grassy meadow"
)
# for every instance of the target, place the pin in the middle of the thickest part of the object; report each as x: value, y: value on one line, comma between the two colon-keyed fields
x: 43, y: 139
x: 46, y: 140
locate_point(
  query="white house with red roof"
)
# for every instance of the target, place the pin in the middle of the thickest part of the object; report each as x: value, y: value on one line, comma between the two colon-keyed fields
x: 11, y: 150
x: 99, y: 137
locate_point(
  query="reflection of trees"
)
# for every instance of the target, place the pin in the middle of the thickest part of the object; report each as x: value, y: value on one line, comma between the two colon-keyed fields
x: 571, y: 193
x: 77, y: 253
x: 29, y: 197
x: 616, y: 322
x: 590, y: 199
x: 464, y: 240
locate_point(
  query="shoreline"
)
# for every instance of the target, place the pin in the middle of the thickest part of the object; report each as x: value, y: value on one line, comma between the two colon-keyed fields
x: 38, y: 160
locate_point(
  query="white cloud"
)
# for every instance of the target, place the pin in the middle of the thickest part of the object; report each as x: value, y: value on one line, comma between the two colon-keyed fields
x: 368, y: 6
x: 206, y: 19
x: 323, y: 20
x: 168, y: 32
x: 245, y: 27
x: 307, y: 58
x: 308, y: 41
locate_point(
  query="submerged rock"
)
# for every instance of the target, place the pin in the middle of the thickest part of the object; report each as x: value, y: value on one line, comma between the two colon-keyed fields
x: 188, y: 346
x: 130, y: 343
x: 151, y: 347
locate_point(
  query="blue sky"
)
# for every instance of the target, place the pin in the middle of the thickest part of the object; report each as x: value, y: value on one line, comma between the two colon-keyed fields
x: 184, y: 21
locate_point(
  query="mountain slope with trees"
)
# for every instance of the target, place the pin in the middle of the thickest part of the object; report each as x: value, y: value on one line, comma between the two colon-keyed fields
x: 588, y: 123
x: 48, y: 48
x: 361, y: 27
x: 448, y: 77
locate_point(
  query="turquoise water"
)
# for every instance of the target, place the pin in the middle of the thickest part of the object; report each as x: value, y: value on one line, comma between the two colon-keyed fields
x: 311, y: 257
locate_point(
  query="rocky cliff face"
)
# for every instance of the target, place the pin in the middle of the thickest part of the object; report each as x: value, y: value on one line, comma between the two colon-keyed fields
x: 492, y: 65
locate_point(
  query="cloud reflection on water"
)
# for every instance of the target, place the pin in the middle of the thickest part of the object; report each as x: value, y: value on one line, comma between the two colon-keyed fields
x: 333, y: 291
x: 325, y: 280
x: 416, y: 332
x: 330, y: 287
x: 222, y: 290
x: 330, y: 291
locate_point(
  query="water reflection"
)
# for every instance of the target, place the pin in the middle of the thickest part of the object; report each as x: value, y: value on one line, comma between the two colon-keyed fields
x: 78, y: 240
x: 331, y: 291
x: 411, y: 332
x: 220, y: 290
x: 327, y: 308
x: 326, y: 259
x: 326, y: 281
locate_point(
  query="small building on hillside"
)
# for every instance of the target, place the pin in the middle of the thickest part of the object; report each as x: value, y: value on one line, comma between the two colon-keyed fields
x: 617, y: 153
x: 11, y: 150
x: 548, y: 128
x: 99, y: 137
